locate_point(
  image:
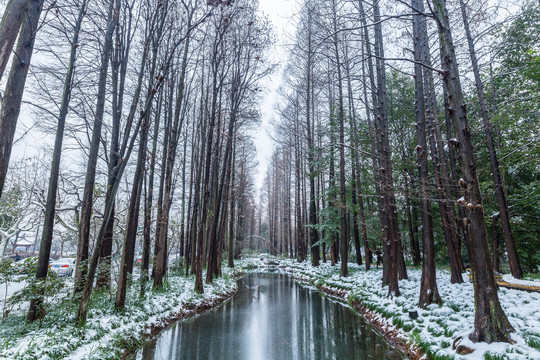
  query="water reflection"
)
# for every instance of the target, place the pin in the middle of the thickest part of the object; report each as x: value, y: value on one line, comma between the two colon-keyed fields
x: 271, y: 317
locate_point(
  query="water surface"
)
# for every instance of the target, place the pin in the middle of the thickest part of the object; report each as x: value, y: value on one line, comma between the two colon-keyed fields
x: 271, y: 317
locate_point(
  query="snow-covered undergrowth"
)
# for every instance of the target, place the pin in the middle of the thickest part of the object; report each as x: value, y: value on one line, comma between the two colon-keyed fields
x: 107, y: 333
x: 436, y: 327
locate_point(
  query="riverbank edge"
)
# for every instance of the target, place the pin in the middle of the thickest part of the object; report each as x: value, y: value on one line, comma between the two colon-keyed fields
x: 188, y: 310
x: 395, y: 335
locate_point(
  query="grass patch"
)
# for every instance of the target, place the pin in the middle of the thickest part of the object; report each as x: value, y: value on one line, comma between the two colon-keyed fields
x: 441, y: 357
x: 533, y: 341
x: 435, y: 332
x: 491, y: 356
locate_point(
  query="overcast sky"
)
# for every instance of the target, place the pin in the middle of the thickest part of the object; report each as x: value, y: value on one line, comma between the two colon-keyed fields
x: 282, y: 14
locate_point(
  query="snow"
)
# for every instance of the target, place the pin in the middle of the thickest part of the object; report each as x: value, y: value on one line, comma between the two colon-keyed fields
x: 512, y: 280
x: 107, y: 330
x: 437, y: 326
x: 12, y: 288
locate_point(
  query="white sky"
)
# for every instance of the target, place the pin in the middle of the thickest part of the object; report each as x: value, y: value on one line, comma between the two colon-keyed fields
x: 282, y: 14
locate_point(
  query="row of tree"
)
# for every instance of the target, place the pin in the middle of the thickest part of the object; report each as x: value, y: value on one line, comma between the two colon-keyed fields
x: 379, y: 148
x: 149, y: 102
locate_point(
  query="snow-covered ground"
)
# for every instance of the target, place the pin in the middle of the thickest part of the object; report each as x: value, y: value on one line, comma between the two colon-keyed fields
x: 107, y: 332
x: 437, y: 326
x: 12, y: 287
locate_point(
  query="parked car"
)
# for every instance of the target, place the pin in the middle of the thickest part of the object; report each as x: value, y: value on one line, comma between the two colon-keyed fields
x: 63, y: 267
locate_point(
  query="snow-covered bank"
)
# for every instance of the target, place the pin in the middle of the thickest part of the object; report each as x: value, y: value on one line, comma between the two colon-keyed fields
x: 109, y: 333
x: 438, y: 326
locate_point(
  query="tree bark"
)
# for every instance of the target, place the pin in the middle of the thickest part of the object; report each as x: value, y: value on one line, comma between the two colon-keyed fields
x: 119, y: 64
x: 35, y: 310
x: 357, y: 196
x: 344, y: 239
x: 206, y: 168
x: 413, y: 242
x: 10, y: 25
x: 163, y: 221
x: 513, y: 258
x: 298, y: 192
x: 440, y: 168
x: 429, y: 294
x: 313, y: 233
x: 491, y: 323
x: 149, y: 198
x: 495, y: 245
x: 11, y: 102
x: 230, y: 253
x: 128, y: 251
x: 393, y: 247
x: 88, y: 194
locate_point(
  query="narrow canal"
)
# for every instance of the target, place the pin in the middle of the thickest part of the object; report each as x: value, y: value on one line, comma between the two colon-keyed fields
x: 271, y: 317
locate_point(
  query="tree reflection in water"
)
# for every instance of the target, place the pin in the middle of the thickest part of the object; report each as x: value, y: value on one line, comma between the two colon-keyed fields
x: 271, y: 317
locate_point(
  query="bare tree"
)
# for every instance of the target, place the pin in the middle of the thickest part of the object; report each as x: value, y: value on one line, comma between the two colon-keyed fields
x: 11, y: 102
x: 47, y: 234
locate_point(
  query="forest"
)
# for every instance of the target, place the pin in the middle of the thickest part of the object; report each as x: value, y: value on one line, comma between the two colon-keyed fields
x: 405, y: 147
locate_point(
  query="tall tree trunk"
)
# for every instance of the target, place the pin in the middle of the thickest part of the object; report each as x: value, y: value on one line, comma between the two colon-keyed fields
x: 189, y: 237
x: 393, y: 246
x: 129, y: 145
x: 313, y: 233
x: 374, y: 135
x: 183, y: 196
x: 36, y: 311
x: 164, y: 159
x: 127, y: 149
x: 206, y: 168
x: 491, y: 323
x: 197, y: 196
x: 355, y: 225
x: 11, y: 102
x: 128, y: 251
x: 513, y: 259
x: 495, y: 245
x: 298, y: 193
x: 119, y: 63
x: 357, y: 196
x: 344, y: 239
x: 163, y: 222
x: 429, y: 293
x: 413, y: 242
x: 86, y: 208
x: 149, y: 197
x: 10, y: 25
x: 440, y: 169
x: 225, y: 175
x: 332, y: 201
x: 462, y: 216
x: 230, y: 257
